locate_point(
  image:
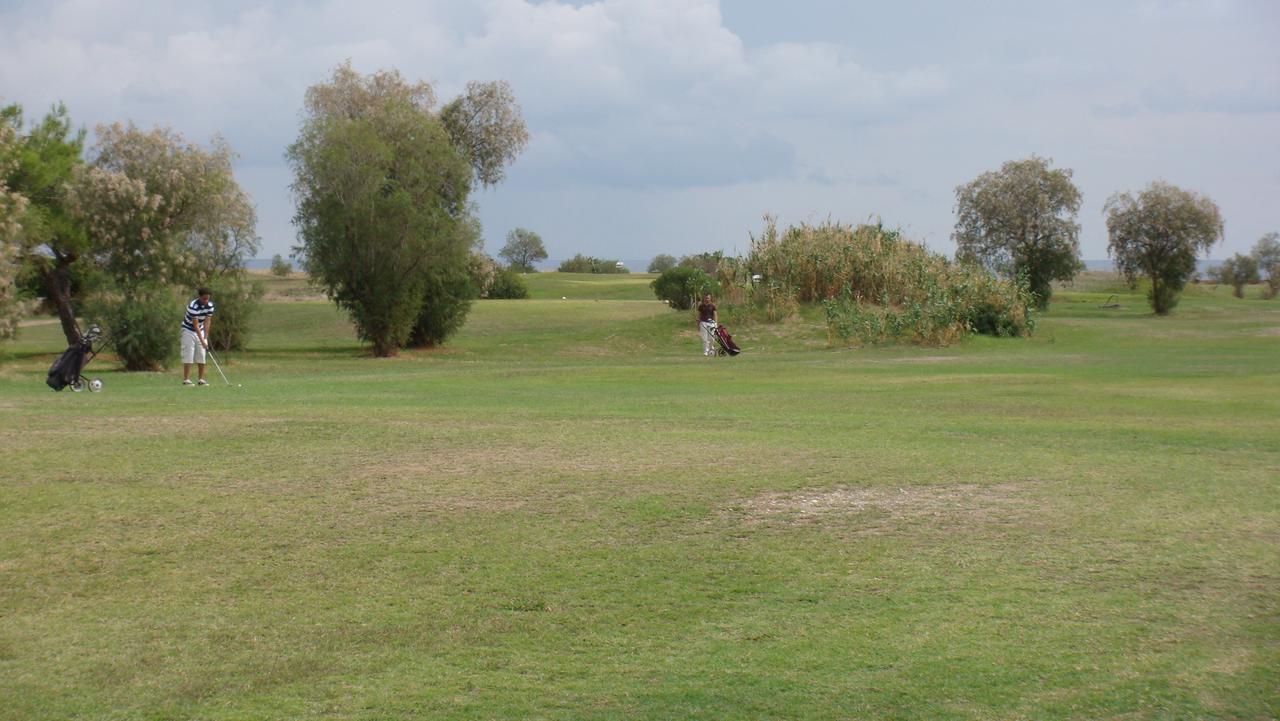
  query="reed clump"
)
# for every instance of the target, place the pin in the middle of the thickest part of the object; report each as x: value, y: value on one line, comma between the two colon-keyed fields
x: 874, y: 286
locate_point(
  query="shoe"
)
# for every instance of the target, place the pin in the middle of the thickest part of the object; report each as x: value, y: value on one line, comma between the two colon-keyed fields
x: 203, y: 382
x: 187, y: 382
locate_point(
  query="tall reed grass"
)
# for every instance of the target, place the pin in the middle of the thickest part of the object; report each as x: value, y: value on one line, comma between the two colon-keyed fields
x: 873, y: 285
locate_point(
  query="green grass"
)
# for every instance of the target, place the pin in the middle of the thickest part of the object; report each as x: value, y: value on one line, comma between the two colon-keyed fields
x: 568, y: 513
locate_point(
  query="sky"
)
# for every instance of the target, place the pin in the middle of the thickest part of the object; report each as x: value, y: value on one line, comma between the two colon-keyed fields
x: 675, y: 126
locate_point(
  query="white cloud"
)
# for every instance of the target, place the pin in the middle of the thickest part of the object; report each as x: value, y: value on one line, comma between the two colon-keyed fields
x: 659, y: 99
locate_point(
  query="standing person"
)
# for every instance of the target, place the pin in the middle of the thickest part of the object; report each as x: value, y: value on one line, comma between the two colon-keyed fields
x: 707, y: 322
x: 195, y: 335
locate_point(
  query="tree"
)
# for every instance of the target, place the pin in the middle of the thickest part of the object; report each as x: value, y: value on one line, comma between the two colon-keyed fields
x: 1021, y: 220
x: 44, y: 164
x: 1157, y: 234
x: 12, y: 207
x: 1237, y: 272
x: 1267, y: 254
x: 523, y: 249
x: 661, y: 263
x: 160, y: 212
x: 382, y: 183
x: 281, y: 267
x: 485, y: 125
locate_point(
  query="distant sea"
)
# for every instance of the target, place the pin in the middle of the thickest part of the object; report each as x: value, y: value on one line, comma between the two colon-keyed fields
x: 639, y: 266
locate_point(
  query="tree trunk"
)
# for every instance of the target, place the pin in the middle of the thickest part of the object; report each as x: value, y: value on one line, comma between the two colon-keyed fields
x: 58, y: 283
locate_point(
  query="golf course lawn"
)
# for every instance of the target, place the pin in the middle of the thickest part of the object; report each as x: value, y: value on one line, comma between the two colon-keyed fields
x: 568, y: 513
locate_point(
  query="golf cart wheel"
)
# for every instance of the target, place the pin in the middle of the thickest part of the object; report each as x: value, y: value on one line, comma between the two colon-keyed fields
x: 77, y: 385
x: 95, y: 385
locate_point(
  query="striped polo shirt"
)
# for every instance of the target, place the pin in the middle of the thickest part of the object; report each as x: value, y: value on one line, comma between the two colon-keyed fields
x: 196, y: 309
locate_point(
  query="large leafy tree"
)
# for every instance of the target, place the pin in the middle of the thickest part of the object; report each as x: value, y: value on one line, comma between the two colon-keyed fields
x: 44, y: 163
x: 1021, y: 220
x: 523, y: 249
x: 1157, y: 234
x: 381, y: 180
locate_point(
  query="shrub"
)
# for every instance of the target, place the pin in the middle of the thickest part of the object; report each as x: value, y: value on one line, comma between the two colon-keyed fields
x: 236, y: 299
x: 448, y: 299
x: 708, y: 262
x: 280, y: 267
x: 681, y: 287
x: 143, y: 327
x: 875, y: 286
x: 508, y: 285
x: 587, y: 264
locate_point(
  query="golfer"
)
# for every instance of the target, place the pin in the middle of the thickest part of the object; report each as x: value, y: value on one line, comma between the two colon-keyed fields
x: 195, y: 335
x: 707, y: 322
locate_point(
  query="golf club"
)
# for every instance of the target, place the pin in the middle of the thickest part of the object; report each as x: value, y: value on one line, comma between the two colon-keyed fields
x: 209, y: 352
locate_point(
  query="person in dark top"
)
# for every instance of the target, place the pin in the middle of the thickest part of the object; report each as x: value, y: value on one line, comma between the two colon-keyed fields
x: 707, y: 322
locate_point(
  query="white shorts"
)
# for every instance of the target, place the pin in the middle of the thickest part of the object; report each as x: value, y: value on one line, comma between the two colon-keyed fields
x: 192, y: 348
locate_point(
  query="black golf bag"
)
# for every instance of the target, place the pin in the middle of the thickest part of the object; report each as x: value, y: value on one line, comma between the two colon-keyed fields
x: 69, y: 368
x: 724, y: 342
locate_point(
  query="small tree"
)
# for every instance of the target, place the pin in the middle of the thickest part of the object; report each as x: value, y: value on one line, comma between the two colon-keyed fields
x: 12, y: 207
x: 44, y: 163
x: 1157, y: 234
x: 1237, y: 272
x: 662, y: 263
x: 281, y: 267
x: 1267, y: 254
x: 1021, y: 221
x: 523, y: 249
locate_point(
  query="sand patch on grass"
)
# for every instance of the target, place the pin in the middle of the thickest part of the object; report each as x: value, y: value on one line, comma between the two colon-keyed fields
x: 951, y: 503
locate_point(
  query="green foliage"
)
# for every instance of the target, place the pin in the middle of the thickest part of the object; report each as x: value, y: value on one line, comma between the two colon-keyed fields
x: 1266, y: 253
x: 12, y: 207
x: 874, y: 286
x: 382, y: 182
x: 522, y: 250
x: 588, y: 264
x: 281, y: 267
x: 1158, y: 234
x: 708, y: 262
x: 662, y: 263
x: 446, y: 299
x: 1021, y: 221
x: 682, y: 286
x: 508, y: 285
x: 485, y: 125
x: 41, y: 167
x: 381, y: 196
x: 237, y: 298
x: 1237, y: 272
x: 143, y: 326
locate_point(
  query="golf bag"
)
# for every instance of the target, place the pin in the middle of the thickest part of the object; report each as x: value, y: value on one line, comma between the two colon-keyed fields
x: 724, y: 342
x: 69, y: 368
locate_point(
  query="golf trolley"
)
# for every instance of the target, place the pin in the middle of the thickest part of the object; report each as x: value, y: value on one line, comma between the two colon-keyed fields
x: 723, y: 342
x: 68, y: 370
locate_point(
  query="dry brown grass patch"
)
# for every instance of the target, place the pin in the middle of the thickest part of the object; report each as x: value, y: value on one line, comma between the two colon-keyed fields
x: 940, y: 504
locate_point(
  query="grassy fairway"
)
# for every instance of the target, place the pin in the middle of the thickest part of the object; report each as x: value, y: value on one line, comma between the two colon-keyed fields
x: 568, y: 513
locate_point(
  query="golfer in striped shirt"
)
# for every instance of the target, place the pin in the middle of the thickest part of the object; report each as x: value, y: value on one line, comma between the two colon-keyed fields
x: 195, y: 335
